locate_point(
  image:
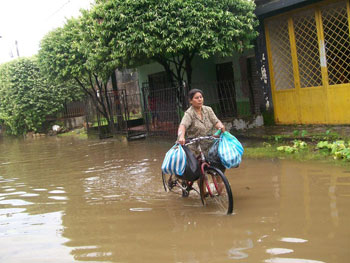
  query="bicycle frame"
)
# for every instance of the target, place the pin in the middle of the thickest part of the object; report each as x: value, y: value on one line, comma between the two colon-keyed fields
x: 212, y: 181
x: 185, y: 185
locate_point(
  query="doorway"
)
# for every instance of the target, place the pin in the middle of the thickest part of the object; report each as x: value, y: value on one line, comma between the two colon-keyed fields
x: 226, y: 89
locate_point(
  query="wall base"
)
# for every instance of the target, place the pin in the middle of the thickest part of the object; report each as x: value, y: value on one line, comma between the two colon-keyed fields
x: 244, y: 123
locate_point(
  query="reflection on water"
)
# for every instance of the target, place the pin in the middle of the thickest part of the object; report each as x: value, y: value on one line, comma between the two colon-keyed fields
x: 293, y: 240
x: 279, y: 251
x: 67, y: 200
x: 292, y: 260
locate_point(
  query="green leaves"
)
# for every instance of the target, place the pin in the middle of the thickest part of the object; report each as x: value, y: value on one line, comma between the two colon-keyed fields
x: 128, y: 33
x: 153, y: 30
x: 26, y: 96
x: 338, y: 149
x: 297, y: 146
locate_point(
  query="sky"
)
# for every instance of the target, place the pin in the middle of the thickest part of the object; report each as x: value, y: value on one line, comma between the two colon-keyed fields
x: 28, y: 21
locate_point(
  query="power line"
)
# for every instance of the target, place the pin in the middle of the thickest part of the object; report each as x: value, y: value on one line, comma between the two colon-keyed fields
x: 59, y: 9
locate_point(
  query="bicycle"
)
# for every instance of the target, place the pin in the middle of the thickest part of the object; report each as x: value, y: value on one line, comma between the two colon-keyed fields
x: 213, y: 184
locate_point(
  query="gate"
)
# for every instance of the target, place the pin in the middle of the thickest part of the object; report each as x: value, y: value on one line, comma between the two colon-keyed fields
x: 309, y: 61
x: 162, y: 110
x: 124, y: 111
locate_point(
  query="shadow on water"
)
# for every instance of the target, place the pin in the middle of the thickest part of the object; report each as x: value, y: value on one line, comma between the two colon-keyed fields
x: 68, y: 200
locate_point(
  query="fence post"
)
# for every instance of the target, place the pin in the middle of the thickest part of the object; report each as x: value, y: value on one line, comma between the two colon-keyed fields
x: 145, y: 104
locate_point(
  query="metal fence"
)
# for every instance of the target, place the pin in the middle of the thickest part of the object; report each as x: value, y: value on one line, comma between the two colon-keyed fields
x: 73, y: 109
x: 124, y: 114
x: 158, y: 112
x: 221, y: 96
x: 164, y: 108
x: 70, y: 110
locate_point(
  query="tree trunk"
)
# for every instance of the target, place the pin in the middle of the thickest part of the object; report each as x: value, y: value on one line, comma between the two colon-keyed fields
x: 188, y: 67
x: 117, y: 101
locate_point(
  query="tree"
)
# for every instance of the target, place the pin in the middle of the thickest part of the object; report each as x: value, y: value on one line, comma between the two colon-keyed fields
x: 172, y: 32
x: 65, y: 54
x: 27, y: 96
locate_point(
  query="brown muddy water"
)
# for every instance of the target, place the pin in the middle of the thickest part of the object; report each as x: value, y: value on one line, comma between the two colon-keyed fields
x: 70, y: 200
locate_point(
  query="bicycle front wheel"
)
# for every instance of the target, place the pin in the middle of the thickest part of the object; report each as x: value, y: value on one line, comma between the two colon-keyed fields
x: 216, y: 191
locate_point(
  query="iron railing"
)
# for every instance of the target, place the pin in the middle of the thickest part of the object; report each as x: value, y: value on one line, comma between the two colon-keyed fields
x: 159, y: 111
x: 165, y: 107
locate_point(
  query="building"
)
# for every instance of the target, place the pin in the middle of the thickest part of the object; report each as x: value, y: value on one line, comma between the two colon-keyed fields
x: 303, y: 53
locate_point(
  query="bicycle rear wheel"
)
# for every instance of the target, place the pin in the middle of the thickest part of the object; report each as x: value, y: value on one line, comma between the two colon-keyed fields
x: 215, y: 190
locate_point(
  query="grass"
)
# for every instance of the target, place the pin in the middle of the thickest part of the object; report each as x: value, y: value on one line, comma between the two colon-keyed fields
x: 269, y: 149
x: 310, y: 153
x: 103, y: 121
x: 78, y: 133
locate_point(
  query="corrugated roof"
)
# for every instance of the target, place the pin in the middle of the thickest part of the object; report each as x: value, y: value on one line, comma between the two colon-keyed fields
x: 264, y: 7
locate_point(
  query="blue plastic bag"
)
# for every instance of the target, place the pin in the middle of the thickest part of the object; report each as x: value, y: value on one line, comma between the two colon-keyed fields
x: 230, y: 150
x: 174, y: 161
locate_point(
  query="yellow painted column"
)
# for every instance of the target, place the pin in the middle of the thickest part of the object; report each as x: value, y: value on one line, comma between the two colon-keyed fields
x: 295, y: 67
x: 348, y: 10
x: 323, y: 60
x: 272, y: 79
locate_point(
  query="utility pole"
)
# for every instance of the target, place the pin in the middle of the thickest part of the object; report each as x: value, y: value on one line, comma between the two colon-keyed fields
x: 16, y: 43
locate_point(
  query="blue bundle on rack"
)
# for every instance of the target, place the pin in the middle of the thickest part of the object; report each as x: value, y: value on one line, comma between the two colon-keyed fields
x: 230, y: 150
x: 174, y: 161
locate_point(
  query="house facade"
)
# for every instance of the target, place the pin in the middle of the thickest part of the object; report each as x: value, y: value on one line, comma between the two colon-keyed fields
x: 303, y: 56
x: 231, y: 87
x: 299, y: 70
x: 238, y: 69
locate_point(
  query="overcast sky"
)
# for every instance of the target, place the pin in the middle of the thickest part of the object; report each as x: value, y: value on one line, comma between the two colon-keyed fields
x: 27, y: 21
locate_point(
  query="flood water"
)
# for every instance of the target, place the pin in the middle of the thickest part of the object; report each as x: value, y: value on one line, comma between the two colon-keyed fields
x: 70, y: 200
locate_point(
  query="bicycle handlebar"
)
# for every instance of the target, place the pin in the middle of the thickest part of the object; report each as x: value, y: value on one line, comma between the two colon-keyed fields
x: 197, y: 139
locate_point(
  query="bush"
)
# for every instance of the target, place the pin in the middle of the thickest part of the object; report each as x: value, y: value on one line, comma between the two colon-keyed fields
x: 26, y: 96
x: 338, y: 149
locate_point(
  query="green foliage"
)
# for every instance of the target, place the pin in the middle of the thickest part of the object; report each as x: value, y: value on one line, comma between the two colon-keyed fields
x: 304, y: 133
x: 297, y: 146
x: 118, y: 33
x: 68, y: 54
x: 65, y: 54
x: 287, y: 149
x: 169, y: 32
x: 267, y: 145
x: 269, y: 118
x: 297, y: 133
x: 26, y: 96
x: 74, y: 52
x: 338, y: 149
x: 60, y: 56
x: 323, y: 145
x: 77, y: 133
x: 331, y: 135
x: 277, y: 138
